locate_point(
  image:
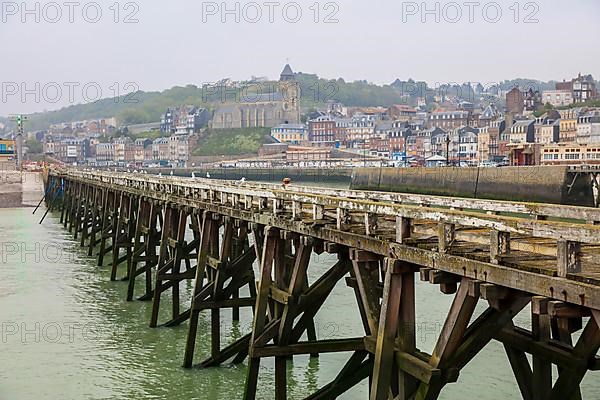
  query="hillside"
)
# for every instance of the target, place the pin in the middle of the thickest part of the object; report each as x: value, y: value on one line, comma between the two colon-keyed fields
x: 232, y: 141
x: 144, y: 107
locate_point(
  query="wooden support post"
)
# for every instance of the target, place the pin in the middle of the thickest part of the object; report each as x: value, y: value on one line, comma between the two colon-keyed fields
x: 403, y: 228
x: 260, y: 314
x: 162, y: 259
x: 219, y: 279
x: 318, y: 212
x: 86, y: 213
x: 389, y: 323
x: 568, y: 257
x: 499, y: 245
x: 342, y: 218
x: 450, y: 338
x: 96, y: 220
x: 105, y: 225
x: 446, y: 236
x: 296, y: 287
x: 407, y: 341
x: 179, y: 254
x: 203, y: 253
x: 139, y: 248
x: 542, y: 368
x: 152, y: 243
x: 296, y: 211
x: 366, y: 271
x: 522, y: 371
x: 118, y: 236
x: 370, y: 224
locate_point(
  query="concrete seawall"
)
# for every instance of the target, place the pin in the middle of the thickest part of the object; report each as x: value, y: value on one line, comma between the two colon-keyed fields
x: 530, y: 184
x: 20, y: 189
x: 267, y: 174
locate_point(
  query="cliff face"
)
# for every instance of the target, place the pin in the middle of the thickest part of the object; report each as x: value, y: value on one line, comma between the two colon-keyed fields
x: 19, y: 189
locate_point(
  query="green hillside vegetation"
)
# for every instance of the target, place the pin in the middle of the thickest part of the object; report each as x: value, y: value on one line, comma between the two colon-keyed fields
x: 232, y: 141
x: 316, y: 91
x: 136, y: 108
x: 145, y: 107
x: 524, y: 84
x: 34, y: 146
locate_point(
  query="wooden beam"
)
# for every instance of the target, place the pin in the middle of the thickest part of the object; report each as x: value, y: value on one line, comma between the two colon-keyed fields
x: 522, y: 371
x: 321, y: 346
x: 586, y: 348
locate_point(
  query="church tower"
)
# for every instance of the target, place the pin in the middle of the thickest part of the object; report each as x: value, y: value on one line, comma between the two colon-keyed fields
x: 290, y: 91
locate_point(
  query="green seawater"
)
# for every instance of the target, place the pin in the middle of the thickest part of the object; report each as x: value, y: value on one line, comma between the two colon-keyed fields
x: 67, y: 333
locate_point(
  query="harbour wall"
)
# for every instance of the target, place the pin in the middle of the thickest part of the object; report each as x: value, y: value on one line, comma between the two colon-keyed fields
x: 548, y: 184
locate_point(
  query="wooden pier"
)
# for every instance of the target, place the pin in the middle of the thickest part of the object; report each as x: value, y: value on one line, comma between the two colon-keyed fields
x: 246, y: 245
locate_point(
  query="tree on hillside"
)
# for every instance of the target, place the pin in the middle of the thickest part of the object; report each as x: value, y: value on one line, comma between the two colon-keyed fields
x: 34, y: 146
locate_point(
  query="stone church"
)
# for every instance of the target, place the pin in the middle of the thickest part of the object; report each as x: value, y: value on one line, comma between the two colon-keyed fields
x: 260, y: 110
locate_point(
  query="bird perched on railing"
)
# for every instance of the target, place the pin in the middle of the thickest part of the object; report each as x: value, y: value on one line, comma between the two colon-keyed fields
x: 208, y: 175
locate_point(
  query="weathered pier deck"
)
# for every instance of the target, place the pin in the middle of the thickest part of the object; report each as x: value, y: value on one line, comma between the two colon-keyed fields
x: 163, y: 231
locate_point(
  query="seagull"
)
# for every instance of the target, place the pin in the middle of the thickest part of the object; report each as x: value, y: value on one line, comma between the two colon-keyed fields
x: 171, y: 173
x: 160, y: 174
x: 208, y: 175
x: 193, y: 175
x: 243, y: 179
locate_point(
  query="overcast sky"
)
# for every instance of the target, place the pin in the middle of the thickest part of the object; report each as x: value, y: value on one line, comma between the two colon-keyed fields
x: 179, y: 42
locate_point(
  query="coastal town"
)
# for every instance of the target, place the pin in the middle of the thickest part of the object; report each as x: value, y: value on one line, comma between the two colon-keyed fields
x: 467, y: 128
x: 355, y: 200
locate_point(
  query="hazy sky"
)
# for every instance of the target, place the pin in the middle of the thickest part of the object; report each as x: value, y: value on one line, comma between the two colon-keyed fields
x: 180, y: 42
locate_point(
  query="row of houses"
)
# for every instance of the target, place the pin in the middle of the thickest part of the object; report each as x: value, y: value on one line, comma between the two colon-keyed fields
x: 515, y: 140
x: 578, y: 90
x: 184, y: 120
x: 173, y: 150
x: 96, y: 127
